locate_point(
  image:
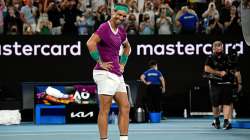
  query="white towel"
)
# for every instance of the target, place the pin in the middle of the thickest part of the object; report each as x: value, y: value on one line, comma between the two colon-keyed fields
x: 8, y: 117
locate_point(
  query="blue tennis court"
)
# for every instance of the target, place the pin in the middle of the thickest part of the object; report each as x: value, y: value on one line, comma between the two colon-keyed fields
x: 171, y: 129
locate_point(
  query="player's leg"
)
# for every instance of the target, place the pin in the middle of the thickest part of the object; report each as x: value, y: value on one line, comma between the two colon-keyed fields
x: 106, y: 89
x: 104, y: 107
x: 121, y: 99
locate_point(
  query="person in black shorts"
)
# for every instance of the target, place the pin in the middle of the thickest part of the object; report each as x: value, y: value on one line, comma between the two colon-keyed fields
x: 221, y: 81
x: 156, y: 85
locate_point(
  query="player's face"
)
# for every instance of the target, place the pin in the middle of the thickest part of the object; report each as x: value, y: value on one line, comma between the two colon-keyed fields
x: 120, y: 17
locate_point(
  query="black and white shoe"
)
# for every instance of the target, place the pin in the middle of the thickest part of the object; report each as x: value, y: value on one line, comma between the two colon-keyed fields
x: 216, y: 124
x: 227, y: 125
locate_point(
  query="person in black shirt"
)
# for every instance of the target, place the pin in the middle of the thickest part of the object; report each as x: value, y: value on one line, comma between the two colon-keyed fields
x: 233, y: 57
x: 221, y: 81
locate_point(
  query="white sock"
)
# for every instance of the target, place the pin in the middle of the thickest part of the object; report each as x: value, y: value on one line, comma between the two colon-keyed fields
x: 105, y: 139
x: 123, y: 137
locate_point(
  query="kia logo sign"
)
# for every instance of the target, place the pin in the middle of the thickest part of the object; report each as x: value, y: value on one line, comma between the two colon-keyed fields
x: 81, y: 114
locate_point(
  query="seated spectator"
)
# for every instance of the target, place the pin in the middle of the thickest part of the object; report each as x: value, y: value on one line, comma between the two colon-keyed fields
x: 27, y: 30
x: 187, y: 20
x: 44, y: 26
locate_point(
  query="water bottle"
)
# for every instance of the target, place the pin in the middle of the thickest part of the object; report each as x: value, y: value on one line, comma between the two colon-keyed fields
x: 234, y: 113
x: 140, y: 115
x: 185, y: 113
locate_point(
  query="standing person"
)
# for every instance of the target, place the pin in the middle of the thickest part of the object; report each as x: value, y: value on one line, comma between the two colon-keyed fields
x: 155, y: 86
x: 104, y: 46
x: 187, y: 20
x: 237, y: 84
x: 2, y: 8
x: 220, y: 84
x: 28, y: 15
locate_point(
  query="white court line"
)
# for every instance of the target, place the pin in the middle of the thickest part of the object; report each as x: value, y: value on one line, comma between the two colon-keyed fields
x: 78, y: 133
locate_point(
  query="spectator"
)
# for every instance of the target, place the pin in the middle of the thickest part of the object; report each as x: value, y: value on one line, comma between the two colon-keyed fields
x: 135, y: 11
x: 63, y: 15
x: 44, y: 26
x: 100, y: 16
x: 246, y: 4
x: 140, y: 5
x: 225, y: 11
x: 211, y: 12
x: 82, y: 25
x: 55, y: 16
x: 232, y: 24
x: 149, y: 9
x: 27, y: 30
x: 187, y: 20
x: 95, y: 4
x: 164, y: 22
x: 157, y: 4
x: 2, y: 8
x: 70, y: 12
x: 134, y: 6
x: 17, y: 4
x: 28, y: 15
x: 146, y: 27
x: 209, y: 15
x: 215, y: 27
x: 131, y: 27
x: 90, y: 21
x: 39, y: 4
x: 82, y: 5
x: 12, y: 22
